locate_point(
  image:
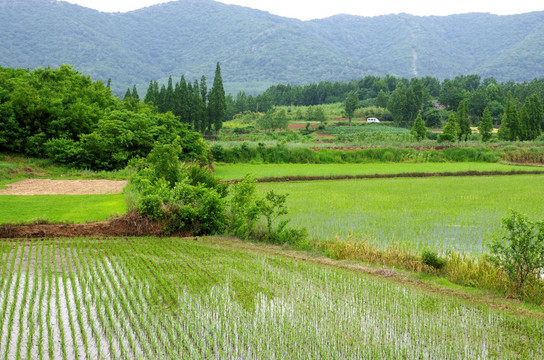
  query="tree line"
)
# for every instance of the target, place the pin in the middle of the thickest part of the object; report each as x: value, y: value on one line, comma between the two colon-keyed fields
x: 190, y: 102
x: 64, y: 115
x: 404, y: 98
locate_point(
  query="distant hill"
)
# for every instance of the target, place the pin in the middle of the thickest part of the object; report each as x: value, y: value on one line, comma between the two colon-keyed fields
x: 257, y: 49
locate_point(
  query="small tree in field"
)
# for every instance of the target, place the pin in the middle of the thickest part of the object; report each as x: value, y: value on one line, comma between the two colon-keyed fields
x: 351, y: 104
x: 419, y: 130
x: 520, y: 253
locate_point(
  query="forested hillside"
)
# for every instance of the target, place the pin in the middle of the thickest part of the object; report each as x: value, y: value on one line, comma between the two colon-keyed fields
x: 257, y: 49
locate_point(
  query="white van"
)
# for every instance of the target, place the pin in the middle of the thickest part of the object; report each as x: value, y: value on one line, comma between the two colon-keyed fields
x: 372, y: 120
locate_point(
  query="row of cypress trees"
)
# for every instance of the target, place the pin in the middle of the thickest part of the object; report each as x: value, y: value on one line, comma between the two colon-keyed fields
x: 191, y: 102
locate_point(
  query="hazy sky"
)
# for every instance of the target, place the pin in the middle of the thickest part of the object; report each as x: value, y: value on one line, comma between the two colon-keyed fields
x: 312, y: 9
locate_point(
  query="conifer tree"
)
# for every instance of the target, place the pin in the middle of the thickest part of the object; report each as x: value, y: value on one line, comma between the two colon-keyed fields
x: 169, y: 98
x: 184, y: 101
x: 451, y: 130
x: 531, y: 118
x: 510, y: 125
x: 161, y: 99
x: 464, y: 122
x: 419, y: 130
x: 217, y: 104
x: 203, y: 89
x: 150, y: 96
x: 135, y: 95
x: 486, y: 125
x: 128, y: 95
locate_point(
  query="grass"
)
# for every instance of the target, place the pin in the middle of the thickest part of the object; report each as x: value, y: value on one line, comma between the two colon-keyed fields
x: 238, y: 171
x: 180, y: 298
x: 60, y: 208
x: 446, y: 213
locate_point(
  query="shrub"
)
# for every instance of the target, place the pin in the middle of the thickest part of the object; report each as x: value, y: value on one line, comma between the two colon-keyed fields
x: 520, y: 252
x: 431, y: 258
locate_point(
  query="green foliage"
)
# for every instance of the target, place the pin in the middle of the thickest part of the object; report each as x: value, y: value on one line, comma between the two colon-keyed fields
x: 243, y: 212
x: 217, y: 105
x: 486, y: 125
x: 272, y: 207
x: 520, y: 252
x: 464, y: 122
x: 532, y: 117
x: 419, y: 130
x: 40, y: 105
x: 181, y: 197
x: 510, y: 129
x: 351, y: 104
x: 273, y: 120
x: 450, y: 131
x: 431, y: 258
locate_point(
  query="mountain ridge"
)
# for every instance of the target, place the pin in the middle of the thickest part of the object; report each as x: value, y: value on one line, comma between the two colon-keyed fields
x: 257, y: 49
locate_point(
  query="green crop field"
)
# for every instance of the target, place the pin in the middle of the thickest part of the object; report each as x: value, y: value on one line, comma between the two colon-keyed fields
x: 457, y: 213
x: 153, y: 298
x: 60, y: 208
x: 238, y: 171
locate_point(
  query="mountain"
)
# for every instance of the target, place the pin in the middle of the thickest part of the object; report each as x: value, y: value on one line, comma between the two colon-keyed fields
x: 257, y: 49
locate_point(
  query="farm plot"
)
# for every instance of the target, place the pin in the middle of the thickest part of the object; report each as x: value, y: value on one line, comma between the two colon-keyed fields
x: 446, y: 213
x: 174, y: 298
x: 238, y: 171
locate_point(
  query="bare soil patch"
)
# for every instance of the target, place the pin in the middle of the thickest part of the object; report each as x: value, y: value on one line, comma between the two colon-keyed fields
x: 64, y: 187
x: 130, y: 224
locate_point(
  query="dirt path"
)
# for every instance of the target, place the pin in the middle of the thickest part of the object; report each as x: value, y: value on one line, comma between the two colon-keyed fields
x: 64, y: 187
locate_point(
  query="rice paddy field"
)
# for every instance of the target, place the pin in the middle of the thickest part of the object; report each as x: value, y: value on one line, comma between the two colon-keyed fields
x: 150, y: 298
x: 445, y: 213
x: 60, y: 208
x: 238, y: 171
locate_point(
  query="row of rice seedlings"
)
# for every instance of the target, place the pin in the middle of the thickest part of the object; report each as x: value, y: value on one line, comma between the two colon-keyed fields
x: 68, y: 298
x: 24, y: 315
x: 88, y: 295
x: 12, y: 296
x: 102, y: 303
x: 76, y: 293
x: 60, y: 323
x: 199, y: 338
x: 136, y: 300
x: 115, y: 286
x: 34, y: 316
x: 159, y: 294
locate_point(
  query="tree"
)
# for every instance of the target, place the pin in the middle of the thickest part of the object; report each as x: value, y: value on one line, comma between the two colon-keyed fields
x: 381, y: 99
x: 217, y: 105
x: 464, y: 122
x: 128, y: 95
x: 520, y: 252
x: 510, y: 125
x: 203, y: 89
x: 531, y: 118
x: 135, y: 95
x: 351, y: 104
x: 419, y: 130
x: 486, y: 125
x: 319, y: 114
x: 398, y: 105
x: 450, y: 131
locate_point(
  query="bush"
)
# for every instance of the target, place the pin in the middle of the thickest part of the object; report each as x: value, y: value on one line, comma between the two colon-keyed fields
x: 431, y: 258
x: 520, y: 252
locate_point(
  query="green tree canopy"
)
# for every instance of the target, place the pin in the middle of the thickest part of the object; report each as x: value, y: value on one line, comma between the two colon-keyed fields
x: 351, y: 104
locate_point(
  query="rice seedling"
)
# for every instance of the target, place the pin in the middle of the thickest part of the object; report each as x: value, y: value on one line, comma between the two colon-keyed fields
x: 450, y: 213
x: 180, y: 298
